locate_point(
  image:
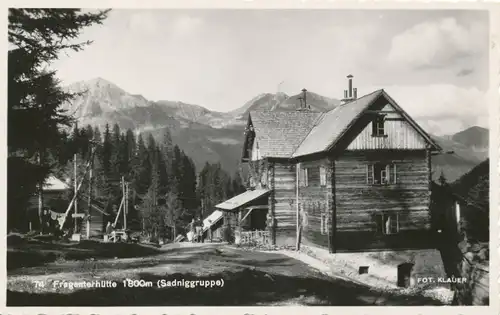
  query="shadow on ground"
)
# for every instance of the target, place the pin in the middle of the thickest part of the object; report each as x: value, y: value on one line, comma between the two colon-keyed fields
x: 35, y: 252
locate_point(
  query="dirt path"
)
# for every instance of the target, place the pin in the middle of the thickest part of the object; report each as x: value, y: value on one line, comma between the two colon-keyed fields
x: 234, y: 277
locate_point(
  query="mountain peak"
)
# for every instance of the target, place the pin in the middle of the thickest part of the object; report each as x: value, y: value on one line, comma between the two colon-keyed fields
x: 475, y: 136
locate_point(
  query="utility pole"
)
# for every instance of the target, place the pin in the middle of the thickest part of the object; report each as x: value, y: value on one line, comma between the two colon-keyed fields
x: 125, y: 210
x: 75, y: 228
x: 89, y: 217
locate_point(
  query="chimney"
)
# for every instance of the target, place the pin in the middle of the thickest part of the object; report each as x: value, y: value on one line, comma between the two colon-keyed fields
x: 350, y: 85
x: 301, y: 105
x: 304, y: 96
x: 351, y: 93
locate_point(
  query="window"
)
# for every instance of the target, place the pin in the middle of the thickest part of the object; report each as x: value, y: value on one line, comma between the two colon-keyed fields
x: 324, y: 224
x: 305, y: 177
x: 381, y: 174
x: 387, y: 223
x: 322, y: 175
x: 378, y: 126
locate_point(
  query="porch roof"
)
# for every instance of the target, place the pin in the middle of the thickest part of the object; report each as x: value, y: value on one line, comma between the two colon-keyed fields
x: 212, y: 219
x: 242, y: 199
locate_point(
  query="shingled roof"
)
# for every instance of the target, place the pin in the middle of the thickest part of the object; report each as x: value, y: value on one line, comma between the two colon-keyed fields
x: 333, y: 124
x: 278, y: 133
x: 301, y: 133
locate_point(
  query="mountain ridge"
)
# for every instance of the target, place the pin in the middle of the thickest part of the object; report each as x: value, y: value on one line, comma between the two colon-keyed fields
x: 218, y: 136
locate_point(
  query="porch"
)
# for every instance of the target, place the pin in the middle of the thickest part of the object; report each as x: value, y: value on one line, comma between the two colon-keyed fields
x: 246, y: 217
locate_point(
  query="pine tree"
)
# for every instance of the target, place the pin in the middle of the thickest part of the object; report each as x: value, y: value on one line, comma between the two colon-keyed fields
x: 107, y: 151
x: 36, y: 38
x: 237, y: 184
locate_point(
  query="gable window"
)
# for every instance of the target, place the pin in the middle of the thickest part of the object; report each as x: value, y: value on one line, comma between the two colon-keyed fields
x: 322, y: 176
x: 387, y: 223
x: 378, y: 126
x: 381, y: 174
x: 324, y: 224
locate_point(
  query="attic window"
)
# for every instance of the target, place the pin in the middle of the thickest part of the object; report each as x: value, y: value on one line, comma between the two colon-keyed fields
x: 378, y: 129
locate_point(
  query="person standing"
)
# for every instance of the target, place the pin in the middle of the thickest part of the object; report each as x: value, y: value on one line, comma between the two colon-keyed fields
x: 199, y: 230
x: 192, y: 230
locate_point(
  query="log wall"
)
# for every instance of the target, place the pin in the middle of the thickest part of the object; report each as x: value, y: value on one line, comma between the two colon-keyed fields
x: 357, y: 201
x: 316, y: 203
x: 282, y: 202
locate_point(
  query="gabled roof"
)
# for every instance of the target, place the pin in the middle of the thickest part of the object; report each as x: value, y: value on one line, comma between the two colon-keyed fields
x: 278, y: 133
x: 335, y: 123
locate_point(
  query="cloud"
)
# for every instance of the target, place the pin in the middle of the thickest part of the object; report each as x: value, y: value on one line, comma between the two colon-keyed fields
x: 442, y: 108
x: 437, y: 44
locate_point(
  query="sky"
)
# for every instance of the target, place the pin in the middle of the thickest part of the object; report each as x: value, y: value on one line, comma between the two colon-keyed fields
x: 434, y: 63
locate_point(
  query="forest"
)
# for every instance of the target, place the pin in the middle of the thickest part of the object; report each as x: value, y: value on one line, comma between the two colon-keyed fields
x: 166, y: 191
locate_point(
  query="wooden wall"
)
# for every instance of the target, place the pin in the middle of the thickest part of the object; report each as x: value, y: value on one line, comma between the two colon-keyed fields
x: 259, y: 172
x: 315, y: 200
x: 282, y: 201
x: 400, y: 135
x: 357, y: 201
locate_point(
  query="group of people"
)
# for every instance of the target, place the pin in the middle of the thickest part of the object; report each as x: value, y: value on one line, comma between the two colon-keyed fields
x: 196, y: 230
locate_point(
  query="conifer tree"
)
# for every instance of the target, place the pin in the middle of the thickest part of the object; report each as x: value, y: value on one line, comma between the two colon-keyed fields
x: 35, y: 117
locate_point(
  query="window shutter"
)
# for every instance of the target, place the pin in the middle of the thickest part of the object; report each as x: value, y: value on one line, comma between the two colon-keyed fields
x: 388, y: 174
x: 394, y: 176
x: 369, y: 174
x: 306, y: 177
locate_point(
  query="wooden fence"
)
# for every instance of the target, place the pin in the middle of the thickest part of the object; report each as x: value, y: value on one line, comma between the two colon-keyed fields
x: 253, y: 237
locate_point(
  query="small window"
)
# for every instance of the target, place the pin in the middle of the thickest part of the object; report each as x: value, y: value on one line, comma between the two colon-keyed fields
x: 381, y: 174
x: 322, y: 176
x: 387, y: 223
x: 324, y: 224
x: 378, y: 129
x: 303, y: 176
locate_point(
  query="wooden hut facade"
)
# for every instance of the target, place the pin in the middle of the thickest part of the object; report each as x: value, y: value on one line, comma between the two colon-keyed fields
x: 355, y: 178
